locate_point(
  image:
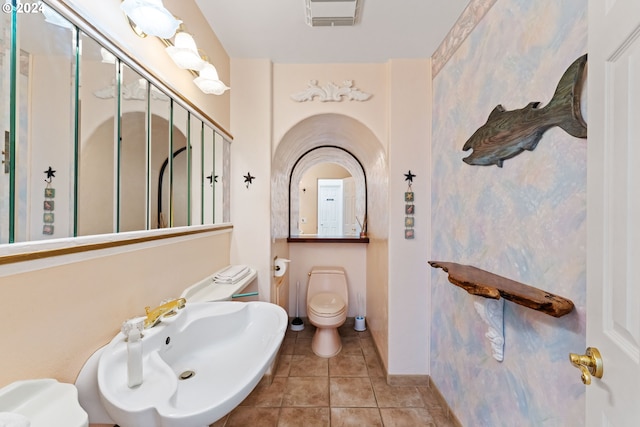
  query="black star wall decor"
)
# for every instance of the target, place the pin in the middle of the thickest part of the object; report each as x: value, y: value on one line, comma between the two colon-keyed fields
x: 409, y: 207
x: 248, y: 179
x: 48, y: 204
x: 409, y: 177
x: 50, y: 174
x: 212, y: 178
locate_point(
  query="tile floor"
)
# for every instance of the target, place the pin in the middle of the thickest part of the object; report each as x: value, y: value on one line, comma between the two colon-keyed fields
x: 346, y: 390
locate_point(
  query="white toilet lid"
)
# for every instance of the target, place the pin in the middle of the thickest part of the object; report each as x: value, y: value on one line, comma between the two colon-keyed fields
x: 326, y: 303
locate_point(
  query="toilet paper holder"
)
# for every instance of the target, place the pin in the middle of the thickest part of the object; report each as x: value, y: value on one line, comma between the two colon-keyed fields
x: 280, y: 266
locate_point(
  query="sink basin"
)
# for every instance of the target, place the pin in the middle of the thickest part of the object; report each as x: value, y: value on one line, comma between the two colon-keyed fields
x: 44, y: 402
x: 197, y: 366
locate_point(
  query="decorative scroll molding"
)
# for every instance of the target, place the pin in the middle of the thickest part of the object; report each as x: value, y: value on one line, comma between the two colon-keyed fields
x: 492, y: 312
x: 135, y: 90
x: 330, y: 92
x: 465, y: 24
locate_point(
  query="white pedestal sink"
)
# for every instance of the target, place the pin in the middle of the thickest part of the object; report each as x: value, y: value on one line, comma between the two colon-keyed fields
x: 197, y: 366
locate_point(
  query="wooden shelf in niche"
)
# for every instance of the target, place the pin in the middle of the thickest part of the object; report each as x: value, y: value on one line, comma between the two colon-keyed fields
x: 489, y: 285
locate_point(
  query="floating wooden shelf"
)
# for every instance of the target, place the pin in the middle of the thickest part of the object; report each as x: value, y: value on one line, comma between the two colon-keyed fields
x: 489, y: 285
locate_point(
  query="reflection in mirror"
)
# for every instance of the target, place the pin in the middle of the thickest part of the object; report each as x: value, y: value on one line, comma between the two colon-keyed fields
x: 96, y: 131
x: 5, y: 108
x: 328, y: 195
x: 43, y: 131
x: 197, y: 174
x: 160, y: 148
x: 173, y: 174
x: 102, y: 132
x: 218, y: 191
x: 132, y: 153
x: 208, y: 169
x: 327, y: 201
x: 226, y: 183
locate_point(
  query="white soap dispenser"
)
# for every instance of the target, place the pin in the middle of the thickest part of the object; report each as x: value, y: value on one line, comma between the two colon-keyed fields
x: 132, y: 330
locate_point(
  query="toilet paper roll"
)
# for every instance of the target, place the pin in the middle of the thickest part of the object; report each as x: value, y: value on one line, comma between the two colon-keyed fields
x: 280, y: 266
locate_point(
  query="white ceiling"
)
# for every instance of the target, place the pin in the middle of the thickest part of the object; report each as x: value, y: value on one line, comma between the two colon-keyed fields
x: 276, y: 29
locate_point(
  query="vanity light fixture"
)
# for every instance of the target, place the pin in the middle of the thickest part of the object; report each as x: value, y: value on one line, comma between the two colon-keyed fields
x: 184, y: 51
x: 209, y: 82
x: 151, y: 17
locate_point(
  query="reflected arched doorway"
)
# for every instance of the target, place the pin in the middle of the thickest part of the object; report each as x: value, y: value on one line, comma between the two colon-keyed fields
x: 339, y: 134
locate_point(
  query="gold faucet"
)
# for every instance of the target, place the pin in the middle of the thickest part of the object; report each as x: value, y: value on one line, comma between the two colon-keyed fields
x: 153, y: 316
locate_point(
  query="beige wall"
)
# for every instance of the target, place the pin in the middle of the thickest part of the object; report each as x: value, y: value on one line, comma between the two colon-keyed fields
x: 250, y: 153
x: 352, y: 257
x: 409, y: 279
x: 58, y: 311
x: 293, y: 78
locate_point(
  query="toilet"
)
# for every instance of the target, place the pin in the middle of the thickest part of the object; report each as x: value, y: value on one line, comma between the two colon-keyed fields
x: 327, y: 304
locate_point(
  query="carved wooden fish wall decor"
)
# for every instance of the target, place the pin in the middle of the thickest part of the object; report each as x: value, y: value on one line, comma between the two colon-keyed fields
x: 508, y: 133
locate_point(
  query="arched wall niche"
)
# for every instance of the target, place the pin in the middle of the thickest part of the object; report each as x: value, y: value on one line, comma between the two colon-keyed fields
x: 335, y: 133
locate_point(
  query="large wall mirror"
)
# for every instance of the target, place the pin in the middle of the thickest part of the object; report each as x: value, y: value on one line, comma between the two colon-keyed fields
x: 327, y: 194
x: 91, y: 145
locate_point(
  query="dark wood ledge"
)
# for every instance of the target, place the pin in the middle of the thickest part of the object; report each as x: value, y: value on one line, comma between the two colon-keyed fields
x: 328, y: 239
x: 489, y: 285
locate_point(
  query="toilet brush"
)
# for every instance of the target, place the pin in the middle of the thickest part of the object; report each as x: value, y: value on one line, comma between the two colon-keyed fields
x: 359, y: 321
x: 297, y: 324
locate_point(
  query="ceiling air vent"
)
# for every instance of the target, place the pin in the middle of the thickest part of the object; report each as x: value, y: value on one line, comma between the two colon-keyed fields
x: 329, y: 13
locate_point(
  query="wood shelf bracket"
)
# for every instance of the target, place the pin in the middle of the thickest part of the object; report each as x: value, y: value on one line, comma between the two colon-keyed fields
x: 492, y: 312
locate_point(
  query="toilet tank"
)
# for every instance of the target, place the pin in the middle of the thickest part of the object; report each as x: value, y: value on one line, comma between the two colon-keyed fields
x: 328, y: 279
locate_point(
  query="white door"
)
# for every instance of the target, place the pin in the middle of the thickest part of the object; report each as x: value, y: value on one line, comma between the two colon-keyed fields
x: 349, y: 222
x: 613, y: 215
x: 329, y: 207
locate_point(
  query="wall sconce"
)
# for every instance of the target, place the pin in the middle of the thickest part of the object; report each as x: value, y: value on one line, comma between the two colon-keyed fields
x: 151, y: 17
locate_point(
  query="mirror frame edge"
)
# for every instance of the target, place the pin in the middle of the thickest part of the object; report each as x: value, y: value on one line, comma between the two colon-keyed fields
x: 121, y: 239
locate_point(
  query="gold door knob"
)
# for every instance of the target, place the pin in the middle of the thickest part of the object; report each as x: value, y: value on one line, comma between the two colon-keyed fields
x: 589, y: 364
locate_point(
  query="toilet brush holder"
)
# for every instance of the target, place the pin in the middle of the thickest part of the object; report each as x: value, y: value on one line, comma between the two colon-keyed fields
x: 359, y: 324
x: 297, y: 324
